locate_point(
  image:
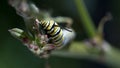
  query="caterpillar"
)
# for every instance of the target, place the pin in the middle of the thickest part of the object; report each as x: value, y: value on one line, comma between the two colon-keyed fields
x: 53, y: 31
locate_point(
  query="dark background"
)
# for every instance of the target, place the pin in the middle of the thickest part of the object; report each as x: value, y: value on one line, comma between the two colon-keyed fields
x: 14, y: 55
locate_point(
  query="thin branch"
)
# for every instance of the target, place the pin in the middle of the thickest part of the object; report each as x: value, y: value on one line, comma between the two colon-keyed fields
x: 86, y: 19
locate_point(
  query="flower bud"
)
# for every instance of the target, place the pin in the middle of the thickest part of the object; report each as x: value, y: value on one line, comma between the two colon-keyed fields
x: 16, y: 32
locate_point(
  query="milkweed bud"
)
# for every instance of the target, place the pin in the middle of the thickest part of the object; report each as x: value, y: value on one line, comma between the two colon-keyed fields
x: 20, y: 35
x: 16, y: 32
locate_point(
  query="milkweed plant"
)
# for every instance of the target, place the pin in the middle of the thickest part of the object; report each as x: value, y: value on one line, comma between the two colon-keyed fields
x: 45, y: 33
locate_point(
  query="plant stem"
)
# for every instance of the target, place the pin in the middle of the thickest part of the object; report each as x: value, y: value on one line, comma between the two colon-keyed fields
x: 85, y: 17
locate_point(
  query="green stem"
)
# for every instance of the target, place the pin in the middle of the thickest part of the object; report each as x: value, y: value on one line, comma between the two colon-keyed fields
x: 86, y: 19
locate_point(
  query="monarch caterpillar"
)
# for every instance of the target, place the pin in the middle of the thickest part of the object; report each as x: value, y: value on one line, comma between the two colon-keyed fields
x: 53, y: 31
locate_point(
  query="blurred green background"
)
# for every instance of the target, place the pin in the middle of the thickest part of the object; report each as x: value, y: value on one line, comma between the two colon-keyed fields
x: 14, y: 55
